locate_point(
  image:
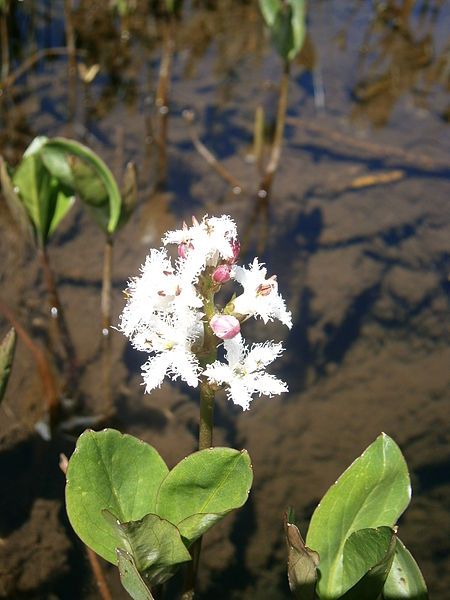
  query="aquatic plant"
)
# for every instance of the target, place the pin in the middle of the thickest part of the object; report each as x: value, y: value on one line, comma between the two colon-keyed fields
x: 171, y: 313
x: 39, y: 201
x: 352, y: 550
x: 41, y: 190
x: 125, y: 504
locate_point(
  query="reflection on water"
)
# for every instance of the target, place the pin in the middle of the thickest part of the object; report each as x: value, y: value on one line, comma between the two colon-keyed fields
x: 357, y: 227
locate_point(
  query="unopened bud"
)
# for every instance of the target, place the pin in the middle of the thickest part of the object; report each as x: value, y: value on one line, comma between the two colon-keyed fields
x: 183, y: 249
x: 222, y: 274
x: 225, y: 326
x: 236, y: 248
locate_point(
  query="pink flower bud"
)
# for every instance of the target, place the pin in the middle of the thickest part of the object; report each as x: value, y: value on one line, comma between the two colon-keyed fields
x: 222, y: 274
x: 183, y: 249
x: 225, y: 326
x: 236, y: 248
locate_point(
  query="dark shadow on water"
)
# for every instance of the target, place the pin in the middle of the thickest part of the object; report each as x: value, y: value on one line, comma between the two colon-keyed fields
x: 29, y: 472
x: 241, y: 533
x: 433, y: 475
x: 341, y: 338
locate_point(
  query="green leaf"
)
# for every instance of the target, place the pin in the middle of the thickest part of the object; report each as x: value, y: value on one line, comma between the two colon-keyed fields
x: 7, y: 348
x: 154, y: 543
x: 130, y: 578
x: 15, y: 205
x: 36, y: 146
x: 298, y: 21
x: 203, y: 488
x: 372, y: 492
x: 56, y: 162
x: 114, y: 472
x: 302, y: 562
x: 286, y: 22
x: 94, y: 184
x: 368, y: 556
x: 269, y: 10
x: 129, y: 193
x: 45, y: 199
x: 405, y: 579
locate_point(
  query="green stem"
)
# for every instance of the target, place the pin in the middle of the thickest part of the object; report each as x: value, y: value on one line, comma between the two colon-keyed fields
x: 106, y: 325
x: 207, y: 355
x: 106, y: 286
x: 205, y: 434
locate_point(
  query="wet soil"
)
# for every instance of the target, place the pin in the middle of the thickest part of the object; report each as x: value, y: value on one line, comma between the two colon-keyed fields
x: 364, y: 268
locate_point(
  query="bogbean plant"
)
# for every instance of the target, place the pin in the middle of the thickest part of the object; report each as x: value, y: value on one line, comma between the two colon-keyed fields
x: 124, y: 502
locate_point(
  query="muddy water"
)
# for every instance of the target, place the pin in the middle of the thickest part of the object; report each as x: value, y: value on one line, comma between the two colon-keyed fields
x: 357, y: 229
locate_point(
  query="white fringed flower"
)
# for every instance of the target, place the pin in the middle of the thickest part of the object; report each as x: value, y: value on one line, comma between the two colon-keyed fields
x: 170, y: 341
x: 166, y: 309
x: 159, y: 288
x: 244, y: 375
x: 260, y: 296
x: 205, y: 243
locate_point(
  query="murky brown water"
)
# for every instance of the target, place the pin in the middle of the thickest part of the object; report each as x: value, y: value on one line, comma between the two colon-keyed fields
x: 364, y: 264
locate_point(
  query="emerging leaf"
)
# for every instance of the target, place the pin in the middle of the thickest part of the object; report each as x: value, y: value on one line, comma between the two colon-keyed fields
x: 46, y: 200
x: 91, y: 178
x: 154, y: 543
x: 367, y: 559
x: 405, y: 579
x: 130, y: 578
x: 286, y: 22
x: 129, y: 193
x: 302, y: 562
x: 374, y: 491
x: 7, y: 348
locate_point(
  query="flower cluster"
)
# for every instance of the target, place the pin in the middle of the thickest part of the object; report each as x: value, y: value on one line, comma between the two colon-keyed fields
x: 171, y: 314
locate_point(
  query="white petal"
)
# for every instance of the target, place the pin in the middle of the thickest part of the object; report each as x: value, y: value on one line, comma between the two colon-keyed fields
x: 154, y: 371
x: 234, y: 349
x: 239, y: 394
x: 269, y: 385
x: 262, y: 355
x: 218, y: 372
x: 186, y: 366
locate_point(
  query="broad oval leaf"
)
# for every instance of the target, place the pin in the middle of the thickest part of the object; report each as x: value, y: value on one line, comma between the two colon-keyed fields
x: 203, y: 488
x: 115, y: 472
x: 374, y: 491
x: 100, y: 171
x: 154, y: 543
x: 405, y: 579
x: 368, y: 556
x: 130, y: 577
x: 7, y: 348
